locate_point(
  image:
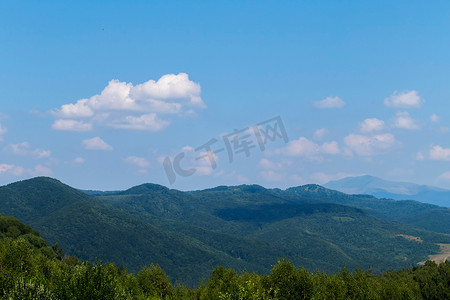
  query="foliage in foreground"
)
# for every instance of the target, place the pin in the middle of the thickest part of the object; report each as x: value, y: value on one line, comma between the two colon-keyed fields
x: 31, y: 270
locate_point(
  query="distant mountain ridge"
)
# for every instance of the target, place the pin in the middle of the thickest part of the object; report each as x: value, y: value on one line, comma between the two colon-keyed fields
x: 246, y: 227
x: 397, y: 190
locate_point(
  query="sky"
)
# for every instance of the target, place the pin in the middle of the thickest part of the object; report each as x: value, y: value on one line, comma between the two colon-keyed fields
x: 105, y: 95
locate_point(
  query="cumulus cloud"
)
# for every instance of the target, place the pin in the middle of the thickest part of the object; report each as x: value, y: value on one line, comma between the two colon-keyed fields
x: 320, y: 133
x: 404, y: 121
x: 444, y: 177
x: 199, y: 163
x: 303, y: 147
x: 371, y: 124
x: 144, y: 122
x: 420, y: 156
x: 123, y: 105
x: 3, y: 130
x: 272, y: 176
x: 329, y: 102
x: 170, y: 86
x: 330, y: 148
x: 406, y: 99
x: 79, y: 160
x: 321, y: 178
x: 369, y: 145
x: 267, y: 164
x: 96, y: 143
x: 78, y: 110
x: 434, y: 118
x: 71, y: 125
x: 39, y: 170
x: 138, y: 161
x: 11, y: 169
x: 435, y: 152
x: 439, y: 153
x: 24, y: 149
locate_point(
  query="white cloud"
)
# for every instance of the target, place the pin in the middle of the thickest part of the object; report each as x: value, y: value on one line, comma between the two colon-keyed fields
x: 71, y: 125
x: 232, y: 176
x: 170, y: 86
x: 201, y: 162
x: 138, y: 161
x: 404, y: 121
x: 23, y: 149
x: 3, y: 130
x: 39, y: 170
x: 122, y: 105
x: 406, y: 99
x: 78, y: 110
x: 369, y: 145
x: 11, y: 169
x: 371, y: 124
x: 330, y: 148
x: 242, y: 178
x: 321, y: 178
x: 272, y: 176
x: 439, y: 153
x: 267, y: 164
x: 320, y: 133
x: 444, y: 177
x: 96, y: 143
x: 420, y: 156
x: 329, y: 102
x: 435, y: 152
x: 304, y: 147
x: 79, y: 160
x: 298, y: 180
x: 144, y: 122
x: 434, y: 118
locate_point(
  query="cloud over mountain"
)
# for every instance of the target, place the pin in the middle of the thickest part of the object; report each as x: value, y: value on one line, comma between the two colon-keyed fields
x: 135, y: 107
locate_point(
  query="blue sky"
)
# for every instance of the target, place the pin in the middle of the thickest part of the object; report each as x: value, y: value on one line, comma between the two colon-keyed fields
x: 99, y: 94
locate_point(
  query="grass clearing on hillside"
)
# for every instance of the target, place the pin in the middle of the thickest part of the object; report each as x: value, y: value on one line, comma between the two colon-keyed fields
x: 442, y: 256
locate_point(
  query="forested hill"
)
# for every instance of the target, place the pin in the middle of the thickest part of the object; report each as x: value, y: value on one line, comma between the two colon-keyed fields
x: 31, y: 270
x: 243, y: 227
x: 423, y: 215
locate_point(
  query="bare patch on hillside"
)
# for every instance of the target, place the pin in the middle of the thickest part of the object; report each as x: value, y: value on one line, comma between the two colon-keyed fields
x: 442, y: 256
x: 417, y: 239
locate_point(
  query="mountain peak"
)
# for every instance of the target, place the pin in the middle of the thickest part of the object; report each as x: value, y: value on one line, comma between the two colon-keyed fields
x: 397, y: 190
x: 145, y: 189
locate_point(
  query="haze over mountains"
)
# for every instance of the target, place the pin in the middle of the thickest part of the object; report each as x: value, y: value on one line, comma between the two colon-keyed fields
x: 244, y: 227
x: 391, y: 189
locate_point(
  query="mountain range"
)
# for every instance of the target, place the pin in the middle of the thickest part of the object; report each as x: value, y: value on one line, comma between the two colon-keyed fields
x: 245, y: 227
x: 397, y: 190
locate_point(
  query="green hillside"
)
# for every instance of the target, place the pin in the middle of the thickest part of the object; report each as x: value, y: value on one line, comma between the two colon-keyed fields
x: 31, y: 270
x: 190, y: 233
x: 422, y: 215
x: 312, y: 232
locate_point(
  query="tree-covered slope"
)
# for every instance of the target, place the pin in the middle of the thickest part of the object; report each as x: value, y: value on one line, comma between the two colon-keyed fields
x: 423, y: 215
x: 314, y: 233
x: 28, y: 272
x: 189, y: 233
x: 91, y: 229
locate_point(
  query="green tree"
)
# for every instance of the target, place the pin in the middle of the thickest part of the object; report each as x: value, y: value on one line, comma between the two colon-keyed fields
x: 287, y: 282
x: 154, y: 282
